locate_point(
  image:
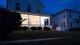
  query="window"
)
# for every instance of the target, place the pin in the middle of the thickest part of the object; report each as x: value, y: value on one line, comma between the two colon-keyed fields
x: 46, y: 21
x: 74, y: 22
x: 64, y: 16
x: 78, y: 16
x: 28, y: 8
x: 70, y: 16
x: 63, y: 24
x: 71, y: 24
x: 17, y: 6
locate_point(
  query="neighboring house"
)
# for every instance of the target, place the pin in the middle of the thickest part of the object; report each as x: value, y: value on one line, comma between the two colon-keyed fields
x: 35, y: 20
x: 65, y: 19
x: 33, y: 6
x: 30, y: 12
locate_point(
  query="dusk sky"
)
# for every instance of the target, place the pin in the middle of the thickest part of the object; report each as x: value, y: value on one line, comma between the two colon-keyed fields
x: 54, y: 6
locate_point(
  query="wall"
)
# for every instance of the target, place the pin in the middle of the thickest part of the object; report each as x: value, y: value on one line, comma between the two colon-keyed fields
x: 35, y: 5
x: 59, y: 20
x: 71, y: 19
x: 68, y: 17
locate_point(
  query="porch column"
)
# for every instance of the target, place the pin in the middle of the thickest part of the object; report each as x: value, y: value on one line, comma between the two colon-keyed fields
x: 40, y: 20
x: 28, y: 21
x: 49, y: 22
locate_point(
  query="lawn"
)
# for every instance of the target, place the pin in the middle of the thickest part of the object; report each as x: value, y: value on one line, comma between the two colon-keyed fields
x: 16, y: 35
x: 70, y: 41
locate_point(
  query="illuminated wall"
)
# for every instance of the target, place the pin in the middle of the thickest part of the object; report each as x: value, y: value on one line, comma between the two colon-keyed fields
x: 34, y: 20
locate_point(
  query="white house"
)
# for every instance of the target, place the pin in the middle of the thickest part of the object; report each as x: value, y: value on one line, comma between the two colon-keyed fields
x: 30, y: 12
x: 34, y: 6
x: 65, y: 19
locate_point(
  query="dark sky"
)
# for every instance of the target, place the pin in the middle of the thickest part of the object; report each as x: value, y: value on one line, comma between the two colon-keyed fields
x: 54, y: 6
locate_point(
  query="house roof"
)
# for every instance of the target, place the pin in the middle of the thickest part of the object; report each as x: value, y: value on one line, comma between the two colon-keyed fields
x: 38, y: 14
x: 63, y: 11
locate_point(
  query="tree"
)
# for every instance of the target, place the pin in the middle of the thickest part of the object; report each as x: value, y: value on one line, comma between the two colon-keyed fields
x: 9, y: 21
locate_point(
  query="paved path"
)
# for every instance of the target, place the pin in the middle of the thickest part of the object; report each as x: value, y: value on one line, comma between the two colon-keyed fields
x: 25, y: 41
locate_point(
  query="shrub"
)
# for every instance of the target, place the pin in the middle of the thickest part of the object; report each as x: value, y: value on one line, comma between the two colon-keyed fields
x: 24, y: 28
x: 74, y: 29
x: 9, y: 21
x: 46, y: 28
x: 39, y: 28
x: 33, y: 28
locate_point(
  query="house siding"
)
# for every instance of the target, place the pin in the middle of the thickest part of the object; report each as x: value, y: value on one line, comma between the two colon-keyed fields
x: 68, y: 17
x: 35, y: 5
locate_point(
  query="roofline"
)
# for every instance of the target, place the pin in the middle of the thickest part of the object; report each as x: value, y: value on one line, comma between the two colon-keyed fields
x: 30, y: 13
x: 37, y: 14
x: 65, y: 10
